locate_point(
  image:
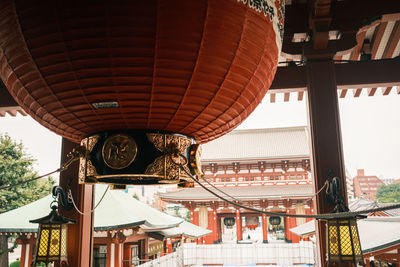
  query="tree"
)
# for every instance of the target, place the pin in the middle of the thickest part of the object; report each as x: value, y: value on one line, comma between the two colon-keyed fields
x: 388, y: 193
x: 135, y: 196
x: 16, y: 166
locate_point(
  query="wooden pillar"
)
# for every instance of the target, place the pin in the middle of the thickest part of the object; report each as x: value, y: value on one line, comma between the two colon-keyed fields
x: 30, y: 248
x: 118, y: 253
x: 367, y: 263
x: 80, y: 234
x: 214, y: 226
x: 239, y: 234
x: 169, y: 246
x: 265, y: 228
x: 326, y: 139
x: 110, y: 254
x: 126, y: 262
x: 22, y: 241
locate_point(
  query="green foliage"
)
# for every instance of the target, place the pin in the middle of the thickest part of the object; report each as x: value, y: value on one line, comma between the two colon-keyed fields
x: 388, y: 193
x: 15, y: 264
x: 135, y: 196
x: 16, y: 166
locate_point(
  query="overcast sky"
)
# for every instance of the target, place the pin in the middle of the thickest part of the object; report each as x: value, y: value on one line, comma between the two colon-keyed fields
x: 370, y: 130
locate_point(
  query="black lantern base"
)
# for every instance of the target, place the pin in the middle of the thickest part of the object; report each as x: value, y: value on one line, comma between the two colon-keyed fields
x: 139, y: 157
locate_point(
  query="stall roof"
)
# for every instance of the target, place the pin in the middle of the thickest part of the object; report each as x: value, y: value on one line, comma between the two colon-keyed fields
x: 185, y: 229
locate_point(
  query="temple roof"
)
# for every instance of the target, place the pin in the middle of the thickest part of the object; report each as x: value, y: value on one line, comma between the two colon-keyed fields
x: 388, y: 236
x: 117, y: 210
x: 259, y: 144
x: 364, y: 204
x: 243, y: 193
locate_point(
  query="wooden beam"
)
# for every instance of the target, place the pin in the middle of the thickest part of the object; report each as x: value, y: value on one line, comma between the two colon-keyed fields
x: 393, y: 41
x: 361, y: 74
x: 6, y: 100
x: 376, y: 40
x: 371, y: 91
x: 80, y: 234
x: 386, y: 91
x: 286, y: 97
x: 272, y: 98
x: 357, y: 92
x: 343, y: 93
x: 300, y: 96
x: 355, y: 53
x: 326, y: 141
x: 388, y: 256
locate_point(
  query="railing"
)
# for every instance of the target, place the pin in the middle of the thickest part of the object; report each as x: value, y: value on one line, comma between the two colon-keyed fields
x: 170, y: 260
x: 279, y: 253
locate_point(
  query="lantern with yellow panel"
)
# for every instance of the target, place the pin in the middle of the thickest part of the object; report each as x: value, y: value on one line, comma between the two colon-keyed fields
x: 343, y: 241
x: 51, y: 243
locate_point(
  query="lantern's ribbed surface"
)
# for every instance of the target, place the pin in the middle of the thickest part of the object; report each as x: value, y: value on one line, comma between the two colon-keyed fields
x: 198, y: 68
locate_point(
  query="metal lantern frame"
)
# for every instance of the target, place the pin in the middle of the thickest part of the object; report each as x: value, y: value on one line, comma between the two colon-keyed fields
x: 51, y: 245
x: 229, y: 222
x: 343, y: 242
x: 343, y: 239
x: 275, y: 220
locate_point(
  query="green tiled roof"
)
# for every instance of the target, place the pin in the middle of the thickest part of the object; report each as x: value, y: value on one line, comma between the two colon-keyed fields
x: 117, y: 210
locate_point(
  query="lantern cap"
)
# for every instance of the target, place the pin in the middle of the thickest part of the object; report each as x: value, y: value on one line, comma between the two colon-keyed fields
x: 53, y: 218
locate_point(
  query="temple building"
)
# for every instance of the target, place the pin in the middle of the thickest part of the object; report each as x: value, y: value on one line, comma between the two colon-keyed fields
x: 127, y: 232
x: 262, y: 168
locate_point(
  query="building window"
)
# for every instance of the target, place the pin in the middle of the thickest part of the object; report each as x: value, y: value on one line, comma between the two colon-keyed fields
x: 100, y: 256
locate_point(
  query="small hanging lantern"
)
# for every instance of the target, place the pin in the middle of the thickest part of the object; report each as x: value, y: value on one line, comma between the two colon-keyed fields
x: 275, y: 220
x: 252, y: 222
x: 343, y: 242
x: 51, y: 243
x: 229, y: 222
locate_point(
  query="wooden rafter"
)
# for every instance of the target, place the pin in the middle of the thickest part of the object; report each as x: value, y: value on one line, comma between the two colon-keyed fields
x: 393, y: 41
x: 371, y: 91
x: 377, y: 38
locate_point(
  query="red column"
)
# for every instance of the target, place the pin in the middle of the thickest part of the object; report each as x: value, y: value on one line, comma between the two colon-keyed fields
x: 110, y: 249
x: 265, y: 228
x: 22, y: 242
x: 239, y: 234
x: 80, y: 234
x: 118, y: 253
x: 169, y: 246
x: 214, y: 226
x: 126, y: 262
x: 326, y: 139
x: 32, y: 243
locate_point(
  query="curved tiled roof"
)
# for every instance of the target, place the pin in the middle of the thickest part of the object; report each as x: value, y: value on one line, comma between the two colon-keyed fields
x: 259, y: 144
x: 245, y: 192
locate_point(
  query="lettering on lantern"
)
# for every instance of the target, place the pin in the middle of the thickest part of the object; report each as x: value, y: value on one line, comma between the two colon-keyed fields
x: 270, y: 9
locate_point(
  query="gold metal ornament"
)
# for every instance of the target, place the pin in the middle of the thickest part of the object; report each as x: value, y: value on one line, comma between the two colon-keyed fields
x: 195, y: 159
x: 119, y: 151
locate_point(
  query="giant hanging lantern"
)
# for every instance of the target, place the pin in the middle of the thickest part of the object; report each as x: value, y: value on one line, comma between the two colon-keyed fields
x: 252, y: 222
x: 138, y: 81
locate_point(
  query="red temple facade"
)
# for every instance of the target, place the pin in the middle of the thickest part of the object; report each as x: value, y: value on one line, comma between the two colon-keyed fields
x: 268, y: 169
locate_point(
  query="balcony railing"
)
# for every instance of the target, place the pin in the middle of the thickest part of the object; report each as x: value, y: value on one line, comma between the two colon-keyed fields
x: 237, y: 254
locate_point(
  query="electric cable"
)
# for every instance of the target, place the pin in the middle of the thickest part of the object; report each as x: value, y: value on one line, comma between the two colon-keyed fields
x: 91, y: 211
x: 324, y: 216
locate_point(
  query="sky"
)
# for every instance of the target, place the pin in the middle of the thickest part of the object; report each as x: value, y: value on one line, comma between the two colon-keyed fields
x: 370, y: 132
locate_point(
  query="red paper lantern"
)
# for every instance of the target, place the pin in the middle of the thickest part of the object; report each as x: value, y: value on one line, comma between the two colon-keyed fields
x: 252, y: 222
x: 197, y: 68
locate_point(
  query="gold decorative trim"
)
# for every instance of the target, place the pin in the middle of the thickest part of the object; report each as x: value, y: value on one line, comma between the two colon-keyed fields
x: 167, y: 165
